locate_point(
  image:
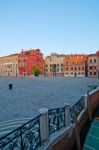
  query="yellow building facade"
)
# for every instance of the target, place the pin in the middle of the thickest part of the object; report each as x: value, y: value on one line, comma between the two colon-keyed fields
x: 54, y: 65
x: 9, y: 65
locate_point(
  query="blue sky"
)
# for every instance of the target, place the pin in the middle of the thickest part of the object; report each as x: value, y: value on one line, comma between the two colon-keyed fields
x: 62, y: 26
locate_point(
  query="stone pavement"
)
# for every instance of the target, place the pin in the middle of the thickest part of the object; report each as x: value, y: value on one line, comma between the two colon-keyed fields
x: 30, y: 94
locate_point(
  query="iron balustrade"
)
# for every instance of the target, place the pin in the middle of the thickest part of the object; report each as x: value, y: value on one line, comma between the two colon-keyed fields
x: 91, y: 87
x: 77, y: 107
x: 56, y: 119
x: 26, y: 137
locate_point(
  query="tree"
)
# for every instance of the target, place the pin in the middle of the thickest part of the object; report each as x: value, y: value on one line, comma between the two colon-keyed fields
x: 36, y: 71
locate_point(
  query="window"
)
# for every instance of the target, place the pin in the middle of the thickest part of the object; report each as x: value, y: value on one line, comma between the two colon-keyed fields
x: 21, y: 59
x: 61, y: 69
x: 66, y: 62
x: 50, y: 65
x: 90, y: 60
x: 71, y: 68
x: 94, y: 73
x: 90, y: 73
x: 61, y: 65
x: 57, y: 65
x: 75, y: 68
x: 66, y: 68
x: 46, y: 70
x: 90, y: 67
x: 94, y: 60
x: 46, y: 65
x: 79, y: 68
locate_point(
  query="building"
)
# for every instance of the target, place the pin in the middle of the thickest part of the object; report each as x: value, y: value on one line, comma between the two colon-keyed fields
x: 93, y: 65
x: 9, y: 65
x: 75, y: 65
x: 28, y: 59
x: 54, y: 65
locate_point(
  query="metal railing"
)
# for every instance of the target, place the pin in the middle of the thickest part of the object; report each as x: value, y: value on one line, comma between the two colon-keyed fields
x: 26, y: 137
x: 56, y: 119
x: 91, y: 87
x: 77, y: 107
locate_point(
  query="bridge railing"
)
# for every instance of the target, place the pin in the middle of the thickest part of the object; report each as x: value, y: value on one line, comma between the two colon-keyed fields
x: 23, y: 138
x: 32, y: 134
x: 91, y: 87
x: 77, y: 107
x: 56, y: 119
x: 29, y: 135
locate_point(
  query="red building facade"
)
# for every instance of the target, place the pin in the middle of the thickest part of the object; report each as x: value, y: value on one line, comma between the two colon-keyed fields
x: 28, y: 59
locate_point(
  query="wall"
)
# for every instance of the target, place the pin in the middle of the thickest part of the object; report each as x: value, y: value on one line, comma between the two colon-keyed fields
x: 68, y: 140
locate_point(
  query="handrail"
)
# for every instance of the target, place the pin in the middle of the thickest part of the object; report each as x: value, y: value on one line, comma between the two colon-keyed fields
x: 28, y: 136
x: 56, y: 119
x: 77, y: 107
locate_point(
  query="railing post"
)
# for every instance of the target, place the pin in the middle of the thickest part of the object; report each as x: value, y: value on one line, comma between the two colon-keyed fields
x: 22, y: 147
x: 77, y: 132
x: 44, y: 125
x: 88, y: 104
x: 67, y: 115
x: 85, y: 101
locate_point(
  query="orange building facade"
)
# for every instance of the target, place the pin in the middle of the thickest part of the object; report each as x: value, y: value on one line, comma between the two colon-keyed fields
x: 75, y: 65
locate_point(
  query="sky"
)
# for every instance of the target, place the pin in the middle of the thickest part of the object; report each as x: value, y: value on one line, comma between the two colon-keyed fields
x: 62, y: 26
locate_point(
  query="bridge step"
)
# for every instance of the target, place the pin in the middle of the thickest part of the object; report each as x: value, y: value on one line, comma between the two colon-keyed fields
x: 8, y: 126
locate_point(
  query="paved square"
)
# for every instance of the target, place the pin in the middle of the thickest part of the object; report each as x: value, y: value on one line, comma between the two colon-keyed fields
x: 30, y: 94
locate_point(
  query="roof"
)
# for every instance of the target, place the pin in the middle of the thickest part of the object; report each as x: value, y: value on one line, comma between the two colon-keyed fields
x: 10, y: 55
x: 54, y: 54
x: 92, y: 55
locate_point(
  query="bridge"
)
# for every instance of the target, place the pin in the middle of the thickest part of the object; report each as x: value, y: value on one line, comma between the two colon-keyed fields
x: 54, y: 129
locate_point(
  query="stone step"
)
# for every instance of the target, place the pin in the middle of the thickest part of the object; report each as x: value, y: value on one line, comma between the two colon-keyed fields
x: 8, y: 126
